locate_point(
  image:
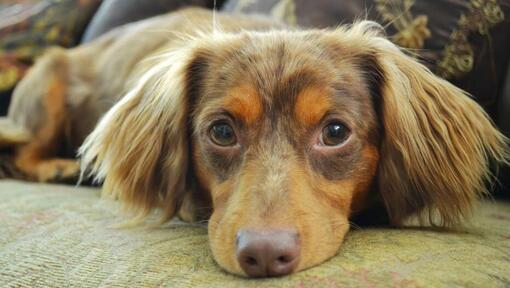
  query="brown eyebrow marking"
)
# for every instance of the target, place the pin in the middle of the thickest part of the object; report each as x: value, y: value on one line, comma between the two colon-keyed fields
x: 244, y: 103
x: 311, y: 105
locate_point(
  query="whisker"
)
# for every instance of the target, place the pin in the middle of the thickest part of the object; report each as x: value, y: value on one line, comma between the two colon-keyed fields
x: 214, y: 17
x: 355, y: 226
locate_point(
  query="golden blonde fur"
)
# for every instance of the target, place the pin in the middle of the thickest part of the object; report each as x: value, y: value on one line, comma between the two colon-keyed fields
x: 153, y: 113
x: 417, y: 142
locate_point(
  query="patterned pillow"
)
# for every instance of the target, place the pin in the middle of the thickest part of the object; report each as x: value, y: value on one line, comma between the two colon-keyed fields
x: 466, y: 42
x: 117, y: 12
x: 27, y: 27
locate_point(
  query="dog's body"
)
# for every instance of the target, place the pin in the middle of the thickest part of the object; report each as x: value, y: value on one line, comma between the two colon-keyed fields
x: 278, y: 136
x: 93, y: 77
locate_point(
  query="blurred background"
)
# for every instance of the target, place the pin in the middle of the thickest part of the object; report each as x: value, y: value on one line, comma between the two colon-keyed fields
x: 464, y: 41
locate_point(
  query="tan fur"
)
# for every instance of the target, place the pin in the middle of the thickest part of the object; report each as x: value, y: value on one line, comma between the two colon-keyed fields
x: 244, y: 103
x: 359, y: 199
x: 249, y: 204
x: 311, y: 105
x: 426, y: 153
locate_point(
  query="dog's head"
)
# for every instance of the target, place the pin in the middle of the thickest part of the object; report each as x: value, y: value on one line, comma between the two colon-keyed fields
x: 283, y: 135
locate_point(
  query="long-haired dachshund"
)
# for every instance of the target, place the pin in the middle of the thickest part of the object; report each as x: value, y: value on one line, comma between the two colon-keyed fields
x: 277, y: 136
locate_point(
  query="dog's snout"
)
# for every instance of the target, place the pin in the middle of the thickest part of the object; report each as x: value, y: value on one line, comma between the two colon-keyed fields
x: 263, y: 253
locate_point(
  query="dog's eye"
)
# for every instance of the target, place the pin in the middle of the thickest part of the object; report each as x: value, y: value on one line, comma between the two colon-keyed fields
x: 334, y: 134
x: 222, y: 134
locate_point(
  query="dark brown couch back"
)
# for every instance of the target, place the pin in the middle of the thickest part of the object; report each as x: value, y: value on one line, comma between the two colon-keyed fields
x: 464, y: 41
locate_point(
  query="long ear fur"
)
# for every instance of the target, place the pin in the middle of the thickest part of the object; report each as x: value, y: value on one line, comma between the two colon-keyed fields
x: 438, y: 143
x: 437, y: 146
x: 139, y: 148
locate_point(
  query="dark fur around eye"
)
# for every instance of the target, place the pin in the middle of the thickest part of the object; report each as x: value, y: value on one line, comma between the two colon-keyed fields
x: 337, y: 164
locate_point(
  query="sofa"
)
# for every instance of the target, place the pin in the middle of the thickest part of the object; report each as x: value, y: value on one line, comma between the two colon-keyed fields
x: 65, y: 236
x: 56, y: 235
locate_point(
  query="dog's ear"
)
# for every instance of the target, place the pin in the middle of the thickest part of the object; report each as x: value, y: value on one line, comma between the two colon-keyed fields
x: 437, y: 145
x: 139, y: 149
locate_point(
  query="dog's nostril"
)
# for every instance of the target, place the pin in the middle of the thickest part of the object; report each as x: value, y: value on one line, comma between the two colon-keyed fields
x: 283, y: 259
x: 251, y: 261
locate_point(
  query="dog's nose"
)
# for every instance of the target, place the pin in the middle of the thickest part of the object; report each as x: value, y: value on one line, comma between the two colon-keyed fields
x: 263, y: 253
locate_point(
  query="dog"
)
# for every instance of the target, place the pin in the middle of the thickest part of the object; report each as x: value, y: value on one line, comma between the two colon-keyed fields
x: 276, y: 136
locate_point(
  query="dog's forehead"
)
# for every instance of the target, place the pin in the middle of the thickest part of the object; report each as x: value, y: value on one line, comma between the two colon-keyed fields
x: 281, y: 62
x: 274, y: 63
x: 283, y: 74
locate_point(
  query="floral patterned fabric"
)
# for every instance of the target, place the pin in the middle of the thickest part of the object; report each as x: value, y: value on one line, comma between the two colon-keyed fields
x: 28, y: 27
x: 114, y: 13
x: 466, y: 42
x: 61, y: 236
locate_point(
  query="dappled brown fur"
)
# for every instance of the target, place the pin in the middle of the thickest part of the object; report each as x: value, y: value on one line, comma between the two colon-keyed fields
x: 411, y: 139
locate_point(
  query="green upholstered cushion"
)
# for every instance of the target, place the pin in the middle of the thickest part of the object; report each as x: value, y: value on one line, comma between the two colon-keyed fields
x: 62, y: 236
